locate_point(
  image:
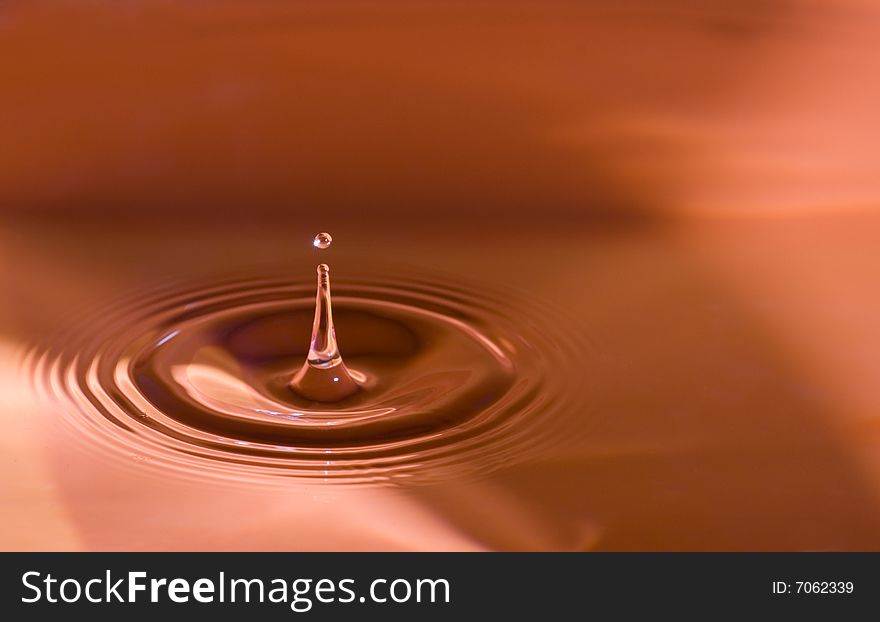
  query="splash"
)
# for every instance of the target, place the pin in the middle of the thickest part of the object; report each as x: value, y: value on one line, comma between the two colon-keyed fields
x: 324, y: 376
x: 218, y: 378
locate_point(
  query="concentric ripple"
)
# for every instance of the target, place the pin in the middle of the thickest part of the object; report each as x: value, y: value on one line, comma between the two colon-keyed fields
x: 195, y: 378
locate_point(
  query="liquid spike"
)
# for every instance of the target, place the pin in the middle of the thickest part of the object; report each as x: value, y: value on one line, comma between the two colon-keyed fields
x: 324, y: 376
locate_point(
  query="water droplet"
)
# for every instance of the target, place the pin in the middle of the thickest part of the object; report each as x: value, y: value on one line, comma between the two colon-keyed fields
x: 322, y: 240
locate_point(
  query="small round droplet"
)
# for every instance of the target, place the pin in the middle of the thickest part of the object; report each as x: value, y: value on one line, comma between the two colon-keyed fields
x: 322, y: 240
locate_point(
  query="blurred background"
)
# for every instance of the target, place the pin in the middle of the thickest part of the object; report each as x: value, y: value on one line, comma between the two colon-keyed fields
x: 694, y: 183
x: 152, y: 107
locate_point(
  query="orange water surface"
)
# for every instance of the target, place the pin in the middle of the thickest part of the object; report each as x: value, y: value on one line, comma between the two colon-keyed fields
x: 688, y: 189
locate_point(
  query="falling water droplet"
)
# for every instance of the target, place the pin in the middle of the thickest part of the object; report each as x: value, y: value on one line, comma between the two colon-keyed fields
x: 324, y: 377
x: 322, y: 240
